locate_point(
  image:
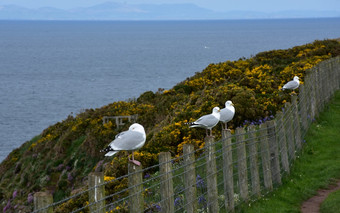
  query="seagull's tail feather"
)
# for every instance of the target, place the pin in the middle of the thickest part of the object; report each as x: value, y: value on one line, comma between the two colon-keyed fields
x: 191, y: 124
x: 109, y: 151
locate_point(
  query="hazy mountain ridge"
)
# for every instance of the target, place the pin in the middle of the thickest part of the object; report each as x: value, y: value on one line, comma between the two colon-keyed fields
x: 124, y: 11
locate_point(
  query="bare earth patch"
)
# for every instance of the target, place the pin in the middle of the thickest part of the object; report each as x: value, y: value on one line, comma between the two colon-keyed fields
x: 312, y: 205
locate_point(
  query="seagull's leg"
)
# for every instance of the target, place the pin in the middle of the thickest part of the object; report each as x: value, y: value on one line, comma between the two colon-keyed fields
x: 226, y: 127
x: 206, y: 132
x: 134, y: 161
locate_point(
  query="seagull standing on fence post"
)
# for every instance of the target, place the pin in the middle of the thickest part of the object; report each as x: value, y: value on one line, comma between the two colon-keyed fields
x: 227, y: 113
x: 292, y: 85
x: 207, y: 121
x: 129, y: 140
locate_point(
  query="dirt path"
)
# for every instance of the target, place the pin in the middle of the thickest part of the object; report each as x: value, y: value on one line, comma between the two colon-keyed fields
x: 312, y: 205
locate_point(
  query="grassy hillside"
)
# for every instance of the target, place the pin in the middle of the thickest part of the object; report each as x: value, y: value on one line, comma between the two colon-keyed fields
x: 60, y: 158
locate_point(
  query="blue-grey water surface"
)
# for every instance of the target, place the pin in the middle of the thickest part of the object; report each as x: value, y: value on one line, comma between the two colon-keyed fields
x: 49, y: 69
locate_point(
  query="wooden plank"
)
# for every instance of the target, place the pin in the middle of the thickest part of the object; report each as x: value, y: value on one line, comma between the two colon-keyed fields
x: 135, y: 183
x: 242, y: 163
x: 211, y: 175
x: 190, y: 178
x: 288, y: 116
x: 166, y: 182
x: 296, y: 122
x: 274, y: 152
x: 228, y: 173
x: 265, y: 156
x: 42, y: 200
x: 253, y: 159
x: 96, y: 192
x: 282, y: 141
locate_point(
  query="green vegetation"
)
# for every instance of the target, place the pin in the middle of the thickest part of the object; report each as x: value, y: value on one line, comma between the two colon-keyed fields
x: 61, y: 157
x: 331, y: 204
x: 317, y: 167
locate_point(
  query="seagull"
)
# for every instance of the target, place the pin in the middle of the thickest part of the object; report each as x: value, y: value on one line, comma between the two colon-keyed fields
x: 129, y: 140
x: 227, y: 113
x: 292, y: 85
x: 207, y: 121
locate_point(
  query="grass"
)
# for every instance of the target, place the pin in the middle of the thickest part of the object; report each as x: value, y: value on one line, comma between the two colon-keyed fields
x: 317, y: 166
x: 331, y: 204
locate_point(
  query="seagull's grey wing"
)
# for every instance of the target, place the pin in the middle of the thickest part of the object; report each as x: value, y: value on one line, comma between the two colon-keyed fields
x: 130, y: 140
x: 120, y: 134
x: 207, y: 121
x: 291, y: 85
x: 226, y: 115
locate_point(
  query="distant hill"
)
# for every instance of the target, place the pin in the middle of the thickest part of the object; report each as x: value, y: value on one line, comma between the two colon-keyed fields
x: 124, y: 11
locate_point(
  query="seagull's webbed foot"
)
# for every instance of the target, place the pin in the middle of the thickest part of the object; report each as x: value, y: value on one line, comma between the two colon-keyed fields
x: 134, y: 161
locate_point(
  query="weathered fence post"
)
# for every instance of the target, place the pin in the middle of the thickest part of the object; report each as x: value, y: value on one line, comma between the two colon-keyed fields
x: 253, y: 159
x: 211, y: 175
x: 42, y: 200
x: 303, y: 108
x: 267, y: 176
x: 242, y: 163
x: 166, y: 183
x: 228, y: 170
x: 135, y: 179
x: 282, y: 141
x: 190, y: 178
x: 274, y: 152
x: 288, y: 115
x: 313, y: 102
x: 96, y: 192
x: 296, y: 122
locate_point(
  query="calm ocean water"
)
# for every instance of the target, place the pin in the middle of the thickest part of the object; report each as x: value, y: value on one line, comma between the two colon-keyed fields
x: 50, y: 69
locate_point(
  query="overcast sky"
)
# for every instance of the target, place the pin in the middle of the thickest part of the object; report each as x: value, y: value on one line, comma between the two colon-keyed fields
x: 217, y: 5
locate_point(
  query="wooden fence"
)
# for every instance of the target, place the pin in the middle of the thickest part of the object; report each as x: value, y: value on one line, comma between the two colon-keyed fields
x: 237, y: 169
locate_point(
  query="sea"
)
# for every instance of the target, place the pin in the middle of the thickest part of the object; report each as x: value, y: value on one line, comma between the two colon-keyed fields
x: 52, y: 69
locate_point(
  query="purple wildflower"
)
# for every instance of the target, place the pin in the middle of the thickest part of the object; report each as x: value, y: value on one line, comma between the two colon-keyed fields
x: 199, y: 182
x: 147, y: 175
x: 202, y: 200
x: 60, y: 167
x: 15, y: 193
x: 7, y: 207
x: 157, y: 207
x: 69, y: 177
x: 30, y: 198
x: 177, y: 201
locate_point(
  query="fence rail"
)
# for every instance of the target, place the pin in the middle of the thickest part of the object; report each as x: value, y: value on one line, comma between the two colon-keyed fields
x: 237, y: 169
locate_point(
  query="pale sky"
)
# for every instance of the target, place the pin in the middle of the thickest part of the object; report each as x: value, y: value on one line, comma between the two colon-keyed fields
x: 217, y: 5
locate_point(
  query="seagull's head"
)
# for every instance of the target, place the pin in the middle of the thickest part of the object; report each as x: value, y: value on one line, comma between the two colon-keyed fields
x: 216, y: 110
x: 296, y: 78
x: 137, y: 127
x: 229, y: 103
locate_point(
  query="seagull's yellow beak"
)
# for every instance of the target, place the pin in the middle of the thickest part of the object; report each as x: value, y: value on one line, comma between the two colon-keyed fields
x: 232, y: 104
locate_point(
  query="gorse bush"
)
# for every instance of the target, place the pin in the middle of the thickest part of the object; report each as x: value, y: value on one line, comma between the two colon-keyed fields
x: 66, y: 152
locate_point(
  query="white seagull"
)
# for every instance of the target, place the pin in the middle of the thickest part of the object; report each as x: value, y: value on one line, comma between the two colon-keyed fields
x: 207, y: 121
x: 227, y: 113
x: 129, y: 140
x: 292, y: 85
